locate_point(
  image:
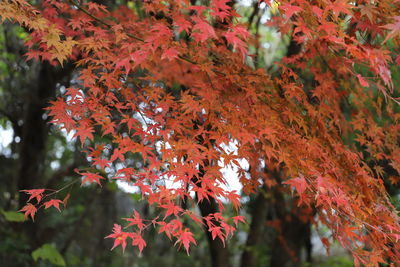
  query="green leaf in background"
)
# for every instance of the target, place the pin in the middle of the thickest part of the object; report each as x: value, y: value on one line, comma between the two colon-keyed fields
x: 13, y: 216
x: 136, y: 196
x: 50, y: 253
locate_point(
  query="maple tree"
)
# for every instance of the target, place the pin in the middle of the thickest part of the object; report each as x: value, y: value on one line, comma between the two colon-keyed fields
x: 174, y: 86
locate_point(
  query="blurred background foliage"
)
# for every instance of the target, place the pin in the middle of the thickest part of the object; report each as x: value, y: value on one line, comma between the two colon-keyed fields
x: 33, y: 154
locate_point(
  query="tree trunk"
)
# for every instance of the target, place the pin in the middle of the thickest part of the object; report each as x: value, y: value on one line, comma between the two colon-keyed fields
x: 257, y: 226
x: 292, y: 244
x: 219, y: 252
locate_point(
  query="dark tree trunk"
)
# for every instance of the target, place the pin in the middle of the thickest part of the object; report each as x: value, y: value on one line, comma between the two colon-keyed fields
x: 219, y: 252
x: 292, y: 244
x: 35, y: 131
x: 33, y: 141
x: 257, y: 227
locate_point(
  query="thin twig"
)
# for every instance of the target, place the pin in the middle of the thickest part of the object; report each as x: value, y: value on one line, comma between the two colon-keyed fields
x: 62, y: 188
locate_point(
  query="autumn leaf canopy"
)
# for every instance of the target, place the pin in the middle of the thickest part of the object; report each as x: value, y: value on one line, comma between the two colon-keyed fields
x: 179, y: 87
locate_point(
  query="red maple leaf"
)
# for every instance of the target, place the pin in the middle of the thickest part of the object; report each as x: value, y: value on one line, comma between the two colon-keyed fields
x: 136, y: 220
x: 84, y: 131
x: 29, y: 209
x: 216, y: 231
x: 237, y: 219
x: 394, y: 27
x: 300, y: 184
x: 398, y: 60
x: 34, y: 193
x: 185, y: 238
x: 362, y: 81
x: 119, y: 236
x: 137, y: 240
x: 91, y: 177
x: 126, y: 63
x: 202, y: 30
x: 170, y: 54
x: 54, y: 202
x: 340, y: 6
x: 171, y: 209
x: 32, y: 54
x: 182, y: 24
x: 65, y: 200
x: 96, y: 7
x: 234, y: 199
x: 290, y: 10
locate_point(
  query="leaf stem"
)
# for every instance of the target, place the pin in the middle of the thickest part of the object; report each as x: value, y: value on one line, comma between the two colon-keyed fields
x: 64, y: 187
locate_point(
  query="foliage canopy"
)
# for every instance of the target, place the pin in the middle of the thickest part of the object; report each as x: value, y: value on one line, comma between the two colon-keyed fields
x: 176, y: 87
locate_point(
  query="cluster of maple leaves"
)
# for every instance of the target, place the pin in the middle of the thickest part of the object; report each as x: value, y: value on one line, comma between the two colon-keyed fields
x: 132, y: 66
x: 37, y: 194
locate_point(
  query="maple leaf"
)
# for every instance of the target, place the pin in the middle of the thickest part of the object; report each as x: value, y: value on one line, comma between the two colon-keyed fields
x: 139, y: 56
x: 35, y: 193
x: 96, y: 7
x: 362, y: 81
x: 349, y: 231
x: 126, y: 63
x: 128, y: 173
x: 52, y: 38
x: 319, y: 12
x: 75, y: 93
x: 119, y: 236
x: 65, y: 200
x: 171, y: 209
x: 202, y: 31
x: 29, y: 209
x: 394, y: 180
x: 216, y: 231
x: 137, y: 240
x: 182, y: 24
x: 54, y: 202
x: 393, y: 27
x: 117, y: 154
x: 220, y: 9
x: 84, y: 131
x: 201, y: 193
x: 165, y: 228
x: 236, y: 42
x: 75, y: 24
x: 234, y: 199
x: 237, y: 219
x: 340, y: 6
x: 185, y: 238
x: 91, y: 177
x: 170, y: 54
x: 300, y: 184
x: 101, y: 162
x: 290, y: 10
x: 32, y: 54
x: 326, y: 243
x: 136, y: 220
